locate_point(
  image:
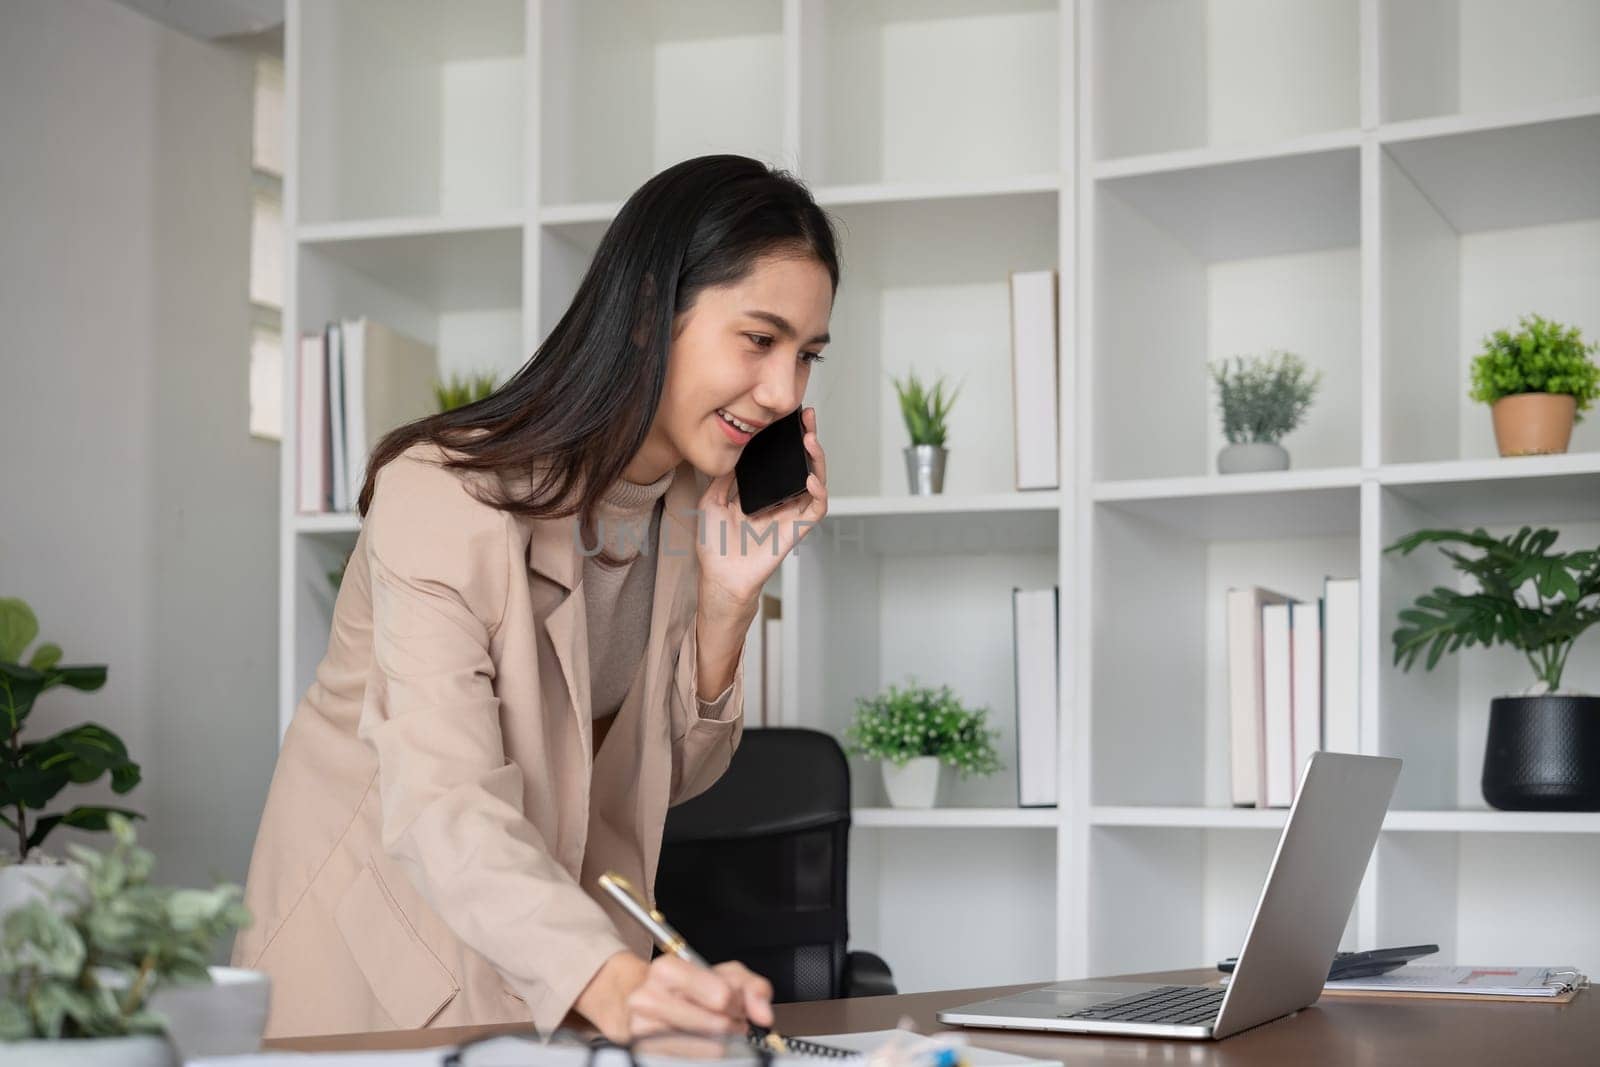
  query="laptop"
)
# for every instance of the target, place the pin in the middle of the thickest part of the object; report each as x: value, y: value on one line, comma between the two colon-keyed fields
x: 1293, y: 936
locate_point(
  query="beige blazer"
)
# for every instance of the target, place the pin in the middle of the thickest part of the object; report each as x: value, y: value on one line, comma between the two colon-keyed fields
x: 437, y: 817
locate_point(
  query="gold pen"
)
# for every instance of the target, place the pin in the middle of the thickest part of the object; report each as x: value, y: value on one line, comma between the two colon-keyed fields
x: 669, y: 940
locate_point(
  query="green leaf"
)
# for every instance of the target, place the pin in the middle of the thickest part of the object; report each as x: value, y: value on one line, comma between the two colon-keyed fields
x: 84, y: 817
x: 45, y: 656
x: 18, y: 627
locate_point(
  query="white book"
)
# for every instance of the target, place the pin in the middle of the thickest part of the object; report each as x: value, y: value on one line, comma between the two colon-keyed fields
x: 1033, y: 616
x: 755, y: 664
x: 1246, y: 735
x: 1033, y: 377
x: 1305, y: 629
x: 310, y: 423
x: 388, y: 382
x: 772, y: 674
x: 334, y: 341
x: 1341, y: 665
x: 1277, y: 707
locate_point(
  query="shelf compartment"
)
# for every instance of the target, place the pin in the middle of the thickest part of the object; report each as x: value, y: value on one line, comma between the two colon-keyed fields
x: 1198, y: 265
x: 877, y: 620
x: 1502, y: 491
x: 1437, y: 720
x: 410, y: 108
x: 1196, y: 73
x: 1448, y: 57
x: 878, y: 104
x: 1177, y: 897
x: 898, y: 880
x: 1158, y: 712
x: 458, y: 290
x: 925, y: 287
x: 630, y: 87
x: 1479, y: 228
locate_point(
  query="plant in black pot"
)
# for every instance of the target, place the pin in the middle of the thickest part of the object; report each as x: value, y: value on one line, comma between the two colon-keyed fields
x: 1543, y: 749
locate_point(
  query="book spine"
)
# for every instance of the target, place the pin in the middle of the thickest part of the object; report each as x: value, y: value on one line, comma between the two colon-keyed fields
x: 1277, y: 672
x: 1341, y: 628
x: 1035, y: 636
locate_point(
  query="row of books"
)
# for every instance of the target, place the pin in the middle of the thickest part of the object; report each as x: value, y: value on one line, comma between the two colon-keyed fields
x: 1033, y: 378
x: 1293, y: 686
x: 359, y: 379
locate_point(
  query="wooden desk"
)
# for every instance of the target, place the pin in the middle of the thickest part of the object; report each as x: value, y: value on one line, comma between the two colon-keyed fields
x: 1343, y: 1031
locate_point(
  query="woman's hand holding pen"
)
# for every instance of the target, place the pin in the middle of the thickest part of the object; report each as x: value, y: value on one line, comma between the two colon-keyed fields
x: 629, y: 998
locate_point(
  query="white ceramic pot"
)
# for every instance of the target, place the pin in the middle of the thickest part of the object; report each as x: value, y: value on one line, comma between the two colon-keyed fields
x: 1258, y: 456
x: 143, y: 1051
x: 916, y: 785
x: 225, y: 1018
x: 22, y: 883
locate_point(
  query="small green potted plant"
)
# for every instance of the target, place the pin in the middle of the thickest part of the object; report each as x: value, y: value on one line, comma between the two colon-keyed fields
x: 925, y: 411
x: 102, y: 974
x: 1262, y: 400
x: 460, y: 391
x: 1543, y: 748
x: 1538, y: 382
x: 34, y: 772
x: 914, y: 731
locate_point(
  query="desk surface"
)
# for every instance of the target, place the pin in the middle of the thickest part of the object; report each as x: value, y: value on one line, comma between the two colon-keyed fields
x: 1337, y: 1030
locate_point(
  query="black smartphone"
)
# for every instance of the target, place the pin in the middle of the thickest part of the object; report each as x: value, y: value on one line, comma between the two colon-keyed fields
x: 773, y: 466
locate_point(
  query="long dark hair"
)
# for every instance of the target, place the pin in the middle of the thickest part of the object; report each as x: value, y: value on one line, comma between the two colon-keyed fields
x: 582, y: 407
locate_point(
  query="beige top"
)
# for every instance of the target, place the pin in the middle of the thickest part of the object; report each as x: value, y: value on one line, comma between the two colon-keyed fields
x: 439, y: 813
x: 618, y: 598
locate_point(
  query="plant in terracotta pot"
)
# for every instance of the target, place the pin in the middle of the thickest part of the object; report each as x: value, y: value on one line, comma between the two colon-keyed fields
x: 33, y: 772
x: 1543, y: 748
x: 1262, y: 399
x: 91, y: 978
x: 1538, y: 382
x: 925, y: 411
x: 914, y: 731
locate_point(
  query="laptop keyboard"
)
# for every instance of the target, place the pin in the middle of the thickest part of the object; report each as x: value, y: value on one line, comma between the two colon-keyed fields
x: 1173, y: 1005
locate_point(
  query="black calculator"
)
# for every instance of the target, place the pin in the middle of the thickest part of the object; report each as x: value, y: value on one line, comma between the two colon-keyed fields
x: 1361, y: 964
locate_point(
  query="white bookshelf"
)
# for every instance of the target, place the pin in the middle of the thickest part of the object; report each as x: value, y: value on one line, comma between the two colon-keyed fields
x: 1350, y: 179
x: 1366, y: 183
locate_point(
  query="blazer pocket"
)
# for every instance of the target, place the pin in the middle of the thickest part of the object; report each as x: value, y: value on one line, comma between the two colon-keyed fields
x: 405, y: 976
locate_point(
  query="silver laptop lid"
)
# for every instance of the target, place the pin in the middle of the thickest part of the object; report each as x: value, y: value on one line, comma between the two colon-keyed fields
x: 1310, y: 888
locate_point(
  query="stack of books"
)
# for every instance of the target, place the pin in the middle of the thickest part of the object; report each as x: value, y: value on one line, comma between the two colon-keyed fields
x: 359, y: 379
x: 1293, y: 686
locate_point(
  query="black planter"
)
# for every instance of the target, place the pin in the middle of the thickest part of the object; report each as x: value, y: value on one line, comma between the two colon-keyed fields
x: 1543, y: 754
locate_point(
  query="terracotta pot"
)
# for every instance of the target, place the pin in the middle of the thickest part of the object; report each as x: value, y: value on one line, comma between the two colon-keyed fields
x: 1533, y: 424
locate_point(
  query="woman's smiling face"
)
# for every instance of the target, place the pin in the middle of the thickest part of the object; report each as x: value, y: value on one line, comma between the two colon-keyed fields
x: 741, y: 355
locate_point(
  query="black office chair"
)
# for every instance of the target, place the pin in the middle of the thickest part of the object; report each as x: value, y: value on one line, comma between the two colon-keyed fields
x: 753, y: 869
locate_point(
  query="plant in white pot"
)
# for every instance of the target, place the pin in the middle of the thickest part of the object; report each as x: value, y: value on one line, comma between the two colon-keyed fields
x: 925, y: 411
x: 34, y: 772
x: 914, y: 731
x: 1262, y: 400
x: 1543, y: 748
x: 83, y: 981
x: 1538, y: 382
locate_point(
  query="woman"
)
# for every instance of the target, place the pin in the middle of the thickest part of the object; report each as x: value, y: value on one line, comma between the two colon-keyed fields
x: 537, y: 646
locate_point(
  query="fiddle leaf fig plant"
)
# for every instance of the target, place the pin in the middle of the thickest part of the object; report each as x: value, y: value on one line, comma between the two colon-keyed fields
x: 33, y: 773
x: 84, y: 964
x: 1535, y: 600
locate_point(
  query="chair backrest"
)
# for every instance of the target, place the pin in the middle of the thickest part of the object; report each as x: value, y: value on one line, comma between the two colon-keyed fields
x: 754, y: 868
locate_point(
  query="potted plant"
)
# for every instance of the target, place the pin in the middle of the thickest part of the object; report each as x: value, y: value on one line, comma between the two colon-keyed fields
x: 913, y: 731
x: 34, y: 772
x: 459, y: 392
x: 925, y: 411
x: 1262, y: 399
x: 85, y: 981
x: 1543, y: 749
x: 1538, y: 381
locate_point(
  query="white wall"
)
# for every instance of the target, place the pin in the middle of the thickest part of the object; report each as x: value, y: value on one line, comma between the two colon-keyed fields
x: 137, y: 516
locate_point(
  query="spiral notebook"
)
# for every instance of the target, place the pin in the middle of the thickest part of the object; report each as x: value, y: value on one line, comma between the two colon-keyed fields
x: 1442, y: 980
